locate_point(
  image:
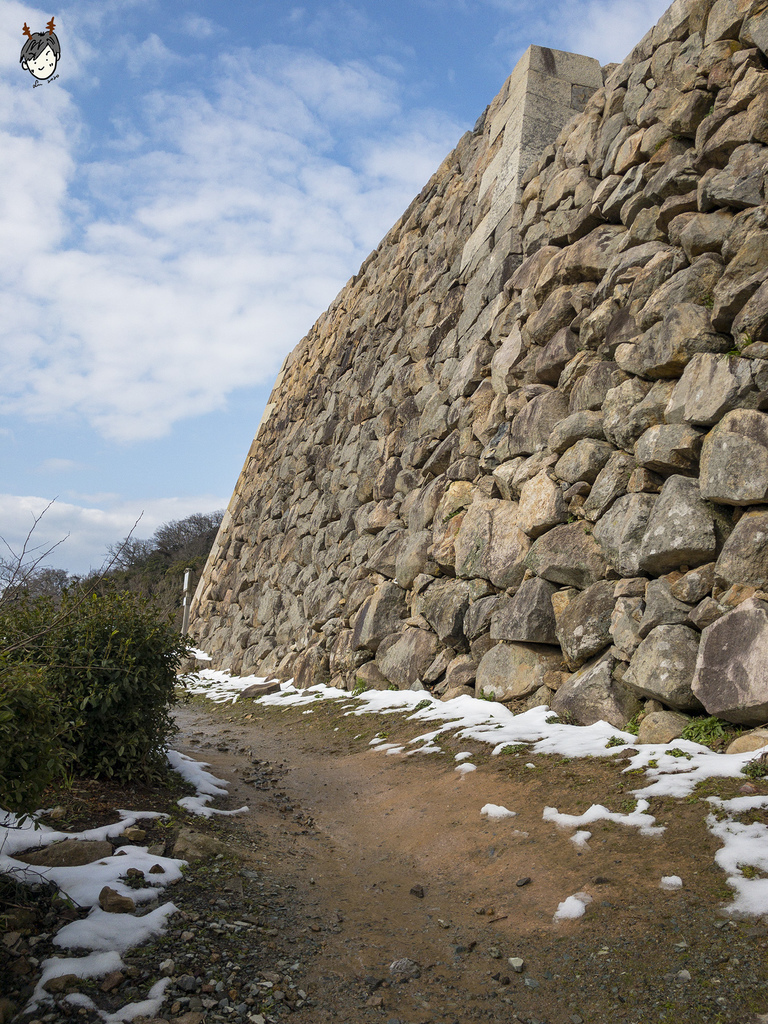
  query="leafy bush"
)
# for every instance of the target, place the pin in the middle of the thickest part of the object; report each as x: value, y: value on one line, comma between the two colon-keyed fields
x: 706, y: 731
x: 30, y: 751
x: 111, y: 664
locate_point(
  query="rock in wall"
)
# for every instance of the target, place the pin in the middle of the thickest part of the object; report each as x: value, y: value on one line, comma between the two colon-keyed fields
x: 524, y: 452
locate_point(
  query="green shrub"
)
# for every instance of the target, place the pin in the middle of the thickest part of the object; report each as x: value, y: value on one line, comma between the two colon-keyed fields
x: 111, y: 663
x: 30, y: 749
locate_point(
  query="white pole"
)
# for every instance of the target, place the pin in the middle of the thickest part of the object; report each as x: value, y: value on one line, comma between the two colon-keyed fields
x: 186, y: 603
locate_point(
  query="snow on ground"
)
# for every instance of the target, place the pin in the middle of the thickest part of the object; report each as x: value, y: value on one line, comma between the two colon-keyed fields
x: 497, y: 811
x: 572, y: 907
x: 106, y: 935
x: 669, y: 770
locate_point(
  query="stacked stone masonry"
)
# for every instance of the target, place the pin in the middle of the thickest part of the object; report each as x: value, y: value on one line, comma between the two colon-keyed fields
x: 525, y: 452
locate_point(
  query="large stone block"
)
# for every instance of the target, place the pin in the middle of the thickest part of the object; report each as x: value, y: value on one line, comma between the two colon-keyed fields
x: 568, y: 555
x: 734, y: 459
x: 621, y: 530
x: 490, y: 544
x: 744, y: 558
x: 532, y: 426
x: 710, y: 386
x: 407, y: 657
x: 541, y: 505
x: 731, y: 677
x: 593, y: 695
x: 662, y: 667
x: 584, y: 626
x: 379, y: 615
x: 444, y: 605
x: 680, y: 530
x: 510, y: 671
x: 528, y: 617
x: 669, y: 448
x: 667, y: 347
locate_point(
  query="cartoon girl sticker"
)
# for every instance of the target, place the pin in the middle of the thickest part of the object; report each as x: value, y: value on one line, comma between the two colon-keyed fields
x: 40, y: 54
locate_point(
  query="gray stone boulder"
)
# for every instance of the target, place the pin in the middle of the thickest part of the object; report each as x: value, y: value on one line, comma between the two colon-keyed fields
x: 533, y: 425
x: 731, y: 678
x: 593, y: 695
x: 662, y: 727
x: 755, y: 739
x: 568, y: 555
x: 404, y: 657
x: 662, y: 668
x: 541, y: 505
x: 584, y: 625
x: 680, y: 530
x: 510, y: 671
x: 490, y: 543
x: 695, y: 584
x: 661, y: 608
x: 67, y: 854
x: 556, y: 353
x: 711, y: 385
x: 621, y: 530
x: 744, y: 558
x: 669, y: 448
x: 528, y: 617
x: 610, y: 484
x: 378, y: 616
x: 574, y: 427
x: 583, y: 461
x: 413, y: 558
x: 625, y: 625
x: 667, y: 347
x: 311, y: 668
x: 734, y: 459
x: 619, y: 407
x: 444, y: 605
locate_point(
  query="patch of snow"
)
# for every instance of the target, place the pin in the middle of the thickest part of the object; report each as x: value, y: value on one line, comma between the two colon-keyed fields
x: 581, y: 838
x: 208, y: 786
x: 101, y: 931
x: 572, y: 907
x: 671, y: 882
x: 636, y: 819
x: 497, y: 811
x: 463, y: 755
x: 465, y: 768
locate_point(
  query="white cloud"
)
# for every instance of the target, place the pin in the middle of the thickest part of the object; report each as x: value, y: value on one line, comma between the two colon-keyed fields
x: 79, y: 530
x: 198, y: 27
x: 208, y: 238
x: 58, y: 466
x: 608, y: 29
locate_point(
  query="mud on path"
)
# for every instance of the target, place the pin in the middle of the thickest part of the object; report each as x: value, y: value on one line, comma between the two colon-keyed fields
x: 388, y: 857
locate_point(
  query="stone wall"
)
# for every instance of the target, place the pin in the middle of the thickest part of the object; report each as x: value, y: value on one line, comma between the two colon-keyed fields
x: 524, y: 452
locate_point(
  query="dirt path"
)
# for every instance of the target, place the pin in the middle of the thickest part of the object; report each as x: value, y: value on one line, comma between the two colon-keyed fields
x: 389, y: 857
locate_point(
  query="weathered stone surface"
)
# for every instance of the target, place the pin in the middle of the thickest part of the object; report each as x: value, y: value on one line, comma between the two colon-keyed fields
x: 259, y: 690
x: 662, y: 727
x: 731, y: 678
x: 528, y: 617
x: 444, y: 606
x: 621, y: 531
x: 568, y: 555
x: 661, y: 608
x: 662, y: 668
x: 553, y: 358
x: 710, y: 386
x: 610, y: 483
x: 406, y: 659
x: 413, y: 558
x: 755, y: 739
x: 744, y: 558
x: 510, y: 671
x: 667, y: 347
x: 584, y: 627
x: 490, y: 543
x: 669, y: 448
x: 532, y: 426
x: 694, y: 585
x: 311, y: 668
x: 378, y: 616
x: 680, y: 530
x: 583, y: 461
x: 574, y: 427
x: 67, y: 854
x: 593, y: 695
x: 190, y: 844
x: 625, y: 624
x: 734, y: 459
x: 541, y: 505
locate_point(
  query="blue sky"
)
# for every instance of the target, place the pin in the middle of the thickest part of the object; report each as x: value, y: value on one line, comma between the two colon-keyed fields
x: 185, y: 199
